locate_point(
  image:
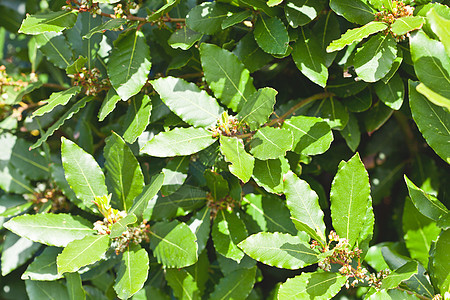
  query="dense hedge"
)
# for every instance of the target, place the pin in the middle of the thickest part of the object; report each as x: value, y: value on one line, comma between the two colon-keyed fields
x: 233, y: 149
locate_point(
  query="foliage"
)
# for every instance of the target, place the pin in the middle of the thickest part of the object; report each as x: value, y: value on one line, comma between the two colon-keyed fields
x: 229, y: 149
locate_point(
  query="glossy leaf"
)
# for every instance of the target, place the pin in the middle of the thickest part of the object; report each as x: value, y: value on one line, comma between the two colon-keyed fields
x: 55, y: 48
x: 356, y: 35
x: 75, y: 286
x: 303, y: 203
x: 433, y: 122
x: 431, y: 63
x: 351, y: 133
x: 391, y: 93
x: 301, y: 12
x: 226, y: 76
x: 80, y: 253
x: 120, y: 226
x: 124, y: 175
x: 150, y: 190
x: 269, y: 174
x: 434, y: 97
x: 200, y: 226
x: 426, y: 204
x: 112, y: 24
x: 16, y: 251
x: 242, y: 163
x: 133, y: 271
x: 374, y: 59
x: 312, y: 286
x: 137, y: 117
x: 258, y: 108
x: 312, y: 135
x: 271, y: 35
x: 182, y: 283
x: 173, y: 244
x: 175, y: 174
x: 186, y: 100
x: 46, y: 290
x: 355, y: 11
x: 440, y: 262
x: 349, y: 197
x: 129, y: 64
x: 236, y: 285
x: 206, y: 18
x: 179, y: 141
x: 250, y: 54
x: 43, y: 266
x: 332, y: 111
x: 227, y: 231
x: 108, y: 104
x: 50, y: 229
x: 271, y: 143
x: 308, y: 57
x: 399, y: 275
x: 217, y: 185
x: 57, y: 98
x: 280, y: 250
x: 404, y: 25
x: 184, y: 38
x: 440, y: 25
x: 67, y: 115
x: 48, y: 22
x: 82, y: 173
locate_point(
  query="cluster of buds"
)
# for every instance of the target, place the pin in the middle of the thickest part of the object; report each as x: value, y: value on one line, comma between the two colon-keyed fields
x: 399, y: 10
x: 6, y: 80
x: 118, y: 11
x: 226, y: 203
x: 82, y: 6
x: 90, y: 80
x: 228, y: 126
x: 133, y: 235
x: 342, y: 254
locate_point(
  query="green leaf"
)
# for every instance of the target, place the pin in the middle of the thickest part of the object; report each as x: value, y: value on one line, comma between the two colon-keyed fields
x: 133, y: 272
x: 228, y: 230
x: 112, y: 24
x: 67, y: 115
x: 207, y: 17
x: 55, y: 48
x: 346, y: 87
x: 57, y: 98
x: 186, y: 100
x: 269, y: 174
x: 173, y: 244
x: 391, y: 93
x: 216, y: 184
x: 43, y: 266
x: 301, y: 12
x: 439, y: 25
x: 124, y: 175
x: 433, y: 122
x: 129, y: 64
x: 431, y: 63
x: 150, y: 190
x: 351, y: 133
x: 271, y: 35
x: 309, y: 58
x: 250, y: 54
x: 120, y: 226
x: 349, y: 197
x: 318, y: 286
x: 236, y: 285
x: 31, y: 163
x: 80, y: 253
x: 258, y: 108
x: 271, y: 143
x: 426, y: 204
x: 200, y: 226
x: 241, y: 162
x: 48, y: 22
x: 399, y: 275
x: 359, y: 102
x: 16, y: 251
x: 165, y: 9
x: 82, y: 173
x: 137, y: 117
x: 53, y: 290
x: 331, y: 111
x: 356, y: 35
x: 376, y: 116
x: 236, y: 18
x: 355, y: 11
x: 327, y: 29
x: 184, y: 38
x: 77, y: 65
x: 269, y: 212
x: 175, y: 173
x: 312, y: 135
x: 75, y: 286
x: 440, y: 262
x: 374, y: 59
x: 434, y: 97
x: 50, y: 229
x: 303, y: 203
x: 108, y: 104
x: 279, y: 250
x: 179, y: 141
x: 182, y: 283
x: 226, y: 76
x: 419, y: 232
x: 404, y: 25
